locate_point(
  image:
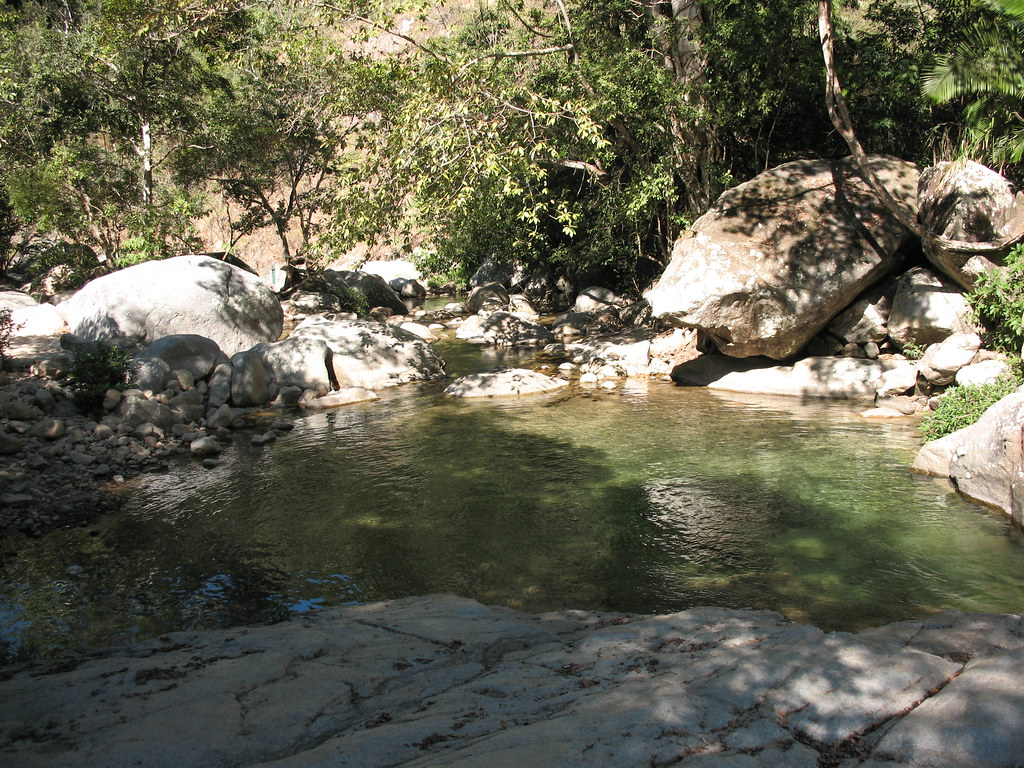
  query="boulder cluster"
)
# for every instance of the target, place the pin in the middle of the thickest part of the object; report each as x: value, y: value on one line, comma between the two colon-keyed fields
x: 803, y: 259
x: 211, y: 365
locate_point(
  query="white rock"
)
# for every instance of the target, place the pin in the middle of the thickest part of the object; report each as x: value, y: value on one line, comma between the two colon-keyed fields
x: 514, y: 382
x: 985, y: 372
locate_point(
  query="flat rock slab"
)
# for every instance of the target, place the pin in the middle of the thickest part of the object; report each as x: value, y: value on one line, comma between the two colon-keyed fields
x: 511, y: 383
x: 442, y: 680
x: 843, y: 378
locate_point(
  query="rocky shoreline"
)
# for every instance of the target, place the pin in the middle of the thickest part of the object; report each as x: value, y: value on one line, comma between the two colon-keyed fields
x: 442, y: 680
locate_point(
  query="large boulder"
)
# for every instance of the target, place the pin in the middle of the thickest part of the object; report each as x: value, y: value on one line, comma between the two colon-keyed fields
x: 298, y: 361
x: 35, y: 334
x: 777, y: 258
x: 16, y: 300
x: 985, y: 460
x: 826, y: 377
x: 366, y: 354
x: 185, y: 351
x: 339, y: 281
x: 595, y: 299
x: 187, y: 295
x: 394, y: 269
x: 967, y: 202
x: 503, y: 329
x: 490, y: 297
x: 927, y: 309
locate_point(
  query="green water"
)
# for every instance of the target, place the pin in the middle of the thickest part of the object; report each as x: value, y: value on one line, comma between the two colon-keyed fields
x: 651, y: 498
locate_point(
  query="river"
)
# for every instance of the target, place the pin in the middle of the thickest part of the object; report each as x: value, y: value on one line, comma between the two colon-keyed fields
x: 646, y: 498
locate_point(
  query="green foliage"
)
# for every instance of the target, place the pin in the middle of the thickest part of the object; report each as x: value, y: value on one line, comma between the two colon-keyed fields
x: 95, y: 369
x: 985, y: 71
x: 63, y: 266
x: 7, y: 328
x: 100, y: 96
x: 998, y: 302
x: 912, y: 351
x: 353, y: 300
x: 962, y: 406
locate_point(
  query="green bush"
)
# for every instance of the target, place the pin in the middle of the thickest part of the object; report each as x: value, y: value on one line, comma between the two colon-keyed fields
x: 353, y: 300
x: 998, y: 303
x: 94, y: 370
x: 962, y: 406
x: 7, y: 327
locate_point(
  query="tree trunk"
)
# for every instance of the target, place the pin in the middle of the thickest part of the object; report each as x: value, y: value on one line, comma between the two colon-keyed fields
x: 145, y: 151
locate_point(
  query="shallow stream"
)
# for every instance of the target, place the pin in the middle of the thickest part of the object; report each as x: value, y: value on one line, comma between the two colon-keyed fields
x: 649, y: 498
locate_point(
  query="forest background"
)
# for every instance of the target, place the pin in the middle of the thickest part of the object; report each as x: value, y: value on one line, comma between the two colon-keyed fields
x: 582, y: 137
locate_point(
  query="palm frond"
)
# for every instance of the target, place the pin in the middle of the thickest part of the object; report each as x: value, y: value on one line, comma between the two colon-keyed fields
x: 987, y: 60
x: 1014, y: 8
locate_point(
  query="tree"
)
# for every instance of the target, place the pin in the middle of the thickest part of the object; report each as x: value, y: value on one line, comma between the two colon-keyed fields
x: 986, y: 68
x: 105, y: 94
x: 295, y: 105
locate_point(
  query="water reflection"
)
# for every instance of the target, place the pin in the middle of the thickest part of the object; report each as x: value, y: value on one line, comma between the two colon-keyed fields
x: 650, y: 498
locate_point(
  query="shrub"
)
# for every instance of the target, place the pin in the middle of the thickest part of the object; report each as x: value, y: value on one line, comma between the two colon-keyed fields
x: 7, y: 327
x: 998, y: 303
x: 96, y: 369
x: 353, y: 300
x: 962, y: 406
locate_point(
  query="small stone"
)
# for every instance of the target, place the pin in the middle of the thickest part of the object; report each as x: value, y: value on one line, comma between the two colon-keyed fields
x: 9, y: 444
x: 16, y: 500
x: 205, y: 446
x: 266, y: 437
x: 45, y: 400
x: 222, y: 417
x: 111, y: 399
x: 212, y: 463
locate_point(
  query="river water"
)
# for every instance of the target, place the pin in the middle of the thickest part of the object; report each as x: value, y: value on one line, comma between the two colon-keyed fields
x: 648, y: 498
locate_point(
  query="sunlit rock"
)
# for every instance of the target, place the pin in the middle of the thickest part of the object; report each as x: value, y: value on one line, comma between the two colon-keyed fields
x: 188, y: 294
x: 777, y: 258
x: 510, y: 383
x: 927, y: 309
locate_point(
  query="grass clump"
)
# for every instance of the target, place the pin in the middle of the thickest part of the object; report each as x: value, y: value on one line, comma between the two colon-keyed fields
x: 963, y: 406
x: 95, y: 369
x: 7, y: 328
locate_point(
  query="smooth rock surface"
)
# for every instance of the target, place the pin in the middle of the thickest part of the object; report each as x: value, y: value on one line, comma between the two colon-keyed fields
x: 834, y: 377
x: 985, y: 461
x: 184, y: 295
x: 445, y: 681
x: 927, y: 309
x: 503, y: 329
x: 369, y: 354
